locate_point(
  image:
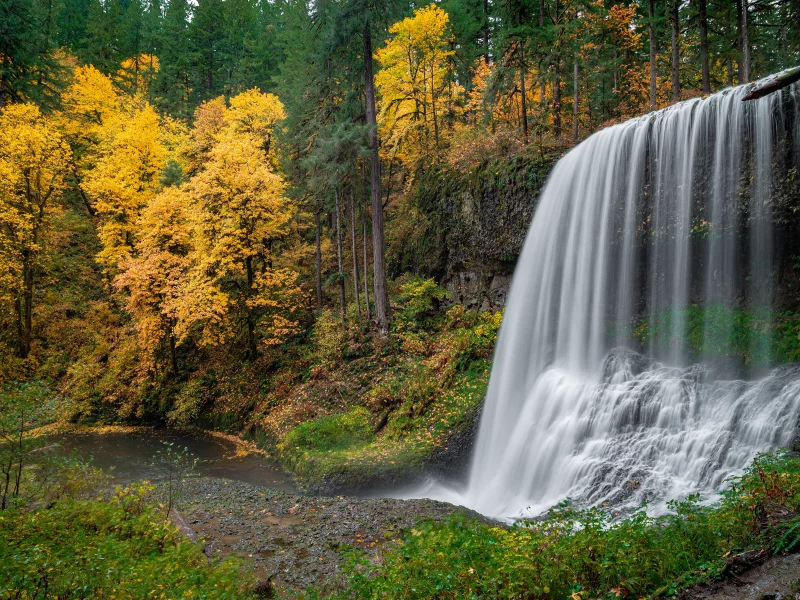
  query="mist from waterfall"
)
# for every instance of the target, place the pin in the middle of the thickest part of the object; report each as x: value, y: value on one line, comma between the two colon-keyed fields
x: 642, y: 223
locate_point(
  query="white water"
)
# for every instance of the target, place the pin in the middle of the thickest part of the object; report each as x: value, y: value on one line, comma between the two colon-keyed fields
x: 639, y: 222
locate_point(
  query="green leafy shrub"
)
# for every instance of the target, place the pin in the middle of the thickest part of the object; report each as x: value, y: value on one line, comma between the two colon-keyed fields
x: 190, y: 401
x: 473, y: 336
x: 585, y: 554
x: 417, y: 298
x: 119, y: 548
x: 330, y: 339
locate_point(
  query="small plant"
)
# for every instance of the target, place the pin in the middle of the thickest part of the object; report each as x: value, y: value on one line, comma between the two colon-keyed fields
x: 23, y: 408
x: 175, y: 464
x: 417, y: 298
x: 330, y: 340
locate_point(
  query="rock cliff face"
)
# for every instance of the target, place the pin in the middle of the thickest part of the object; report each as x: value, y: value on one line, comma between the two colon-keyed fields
x: 476, y: 223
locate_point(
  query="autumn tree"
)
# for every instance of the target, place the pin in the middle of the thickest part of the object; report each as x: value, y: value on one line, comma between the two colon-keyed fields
x: 417, y: 93
x: 124, y: 179
x: 121, y: 149
x: 33, y: 161
x: 241, y: 211
x: 155, y: 280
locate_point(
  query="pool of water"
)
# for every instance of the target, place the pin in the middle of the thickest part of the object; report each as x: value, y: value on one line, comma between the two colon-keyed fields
x: 129, y: 456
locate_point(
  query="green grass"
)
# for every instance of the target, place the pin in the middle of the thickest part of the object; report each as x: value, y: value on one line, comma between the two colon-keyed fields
x: 117, y: 548
x: 582, y: 554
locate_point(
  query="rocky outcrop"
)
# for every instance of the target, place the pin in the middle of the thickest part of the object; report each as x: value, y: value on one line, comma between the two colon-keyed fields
x: 475, y: 225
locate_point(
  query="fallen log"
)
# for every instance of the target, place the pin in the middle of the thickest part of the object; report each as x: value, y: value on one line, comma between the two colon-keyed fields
x: 179, y: 522
x: 773, y: 83
x: 744, y: 562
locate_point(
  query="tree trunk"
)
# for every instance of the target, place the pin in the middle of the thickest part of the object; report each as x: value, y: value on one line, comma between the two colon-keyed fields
x: 729, y: 58
x: 340, y: 274
x: 745, y: 45
x: 357, y: 293
x: 364, y: 239
x: 173, y: 354
x: 24, y: 306
x: 701, y: 6
x: 676, y: 58
x: 378, y: 253
x: 523, y: 99
x: 739, y: 43
x: 541, y: 66
x: 557, y: 82
x: 557, y: 100
x: 252, y: 350
x: 485, y: 29
x: 318, y: 256
x: 651, y: 13
x: 785, y: 79
x: 575, y: 101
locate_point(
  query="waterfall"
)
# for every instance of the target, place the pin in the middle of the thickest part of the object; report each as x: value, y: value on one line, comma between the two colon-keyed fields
x: 643, y: 232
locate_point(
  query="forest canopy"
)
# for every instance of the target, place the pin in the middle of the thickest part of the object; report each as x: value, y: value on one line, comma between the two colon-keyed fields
x: 185, y: 186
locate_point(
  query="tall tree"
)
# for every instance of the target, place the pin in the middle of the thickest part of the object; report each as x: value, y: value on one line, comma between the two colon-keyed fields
x: 381, y: 292
x: 23, y: 47
x: 703, y: 24
x: 104, y: 35
x: 744, y: 76
x: 651, y: 27
x: 172, y: 84
x: 33, y: 162
x: 676, y: 58
x: 205, y: 39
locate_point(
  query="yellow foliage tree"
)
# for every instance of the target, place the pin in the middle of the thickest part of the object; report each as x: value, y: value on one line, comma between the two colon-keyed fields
x: 415, y: 84
x: 33, y: 161
x: 241, y: 210
x: 124, y: 179
x: 209, y: 121
x: 91, y: 108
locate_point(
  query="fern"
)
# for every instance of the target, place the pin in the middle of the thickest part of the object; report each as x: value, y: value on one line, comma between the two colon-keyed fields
x: 790, y: 540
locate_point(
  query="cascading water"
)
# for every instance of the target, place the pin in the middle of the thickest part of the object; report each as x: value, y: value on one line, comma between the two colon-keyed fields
x: 661, y: 221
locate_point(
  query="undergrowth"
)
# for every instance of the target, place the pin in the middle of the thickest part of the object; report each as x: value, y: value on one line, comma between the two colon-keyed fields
x: 581, y: 553
x: 113, y: 548
x: 395, y: 405
x: 758, y: 337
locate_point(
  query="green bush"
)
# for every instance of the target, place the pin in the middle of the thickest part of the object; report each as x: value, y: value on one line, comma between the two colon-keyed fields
x: 189, y: 403
x: 330, y: 339
x: 584, y: 554
x: 417, y: 297
x: 119, y: 548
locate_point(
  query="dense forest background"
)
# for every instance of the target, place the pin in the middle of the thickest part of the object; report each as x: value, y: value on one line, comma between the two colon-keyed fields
x: 204, y: 207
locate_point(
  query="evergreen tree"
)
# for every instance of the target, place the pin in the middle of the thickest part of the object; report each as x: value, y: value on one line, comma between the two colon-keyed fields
x: 172, y: 86
x: 205, y: 42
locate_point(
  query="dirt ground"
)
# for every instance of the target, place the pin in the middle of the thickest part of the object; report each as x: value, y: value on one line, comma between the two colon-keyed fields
x: 776, y: 579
